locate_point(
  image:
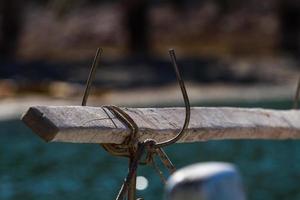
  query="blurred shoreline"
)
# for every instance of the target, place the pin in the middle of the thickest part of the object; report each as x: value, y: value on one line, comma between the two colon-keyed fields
x: 166, y: 96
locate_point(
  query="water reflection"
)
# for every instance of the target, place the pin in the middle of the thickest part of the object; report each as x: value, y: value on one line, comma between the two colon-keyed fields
x: 33, y: 169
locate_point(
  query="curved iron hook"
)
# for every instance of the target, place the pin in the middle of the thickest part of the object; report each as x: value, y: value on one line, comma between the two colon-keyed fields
x: 186, y: 103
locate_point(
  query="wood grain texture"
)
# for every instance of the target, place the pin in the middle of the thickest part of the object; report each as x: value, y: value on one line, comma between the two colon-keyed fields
x: 79, y: 124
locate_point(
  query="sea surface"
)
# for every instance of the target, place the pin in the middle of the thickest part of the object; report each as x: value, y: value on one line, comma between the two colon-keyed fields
x: 31, y: 169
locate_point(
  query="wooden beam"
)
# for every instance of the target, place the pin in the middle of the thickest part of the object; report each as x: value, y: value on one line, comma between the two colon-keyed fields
x: 91, y: 124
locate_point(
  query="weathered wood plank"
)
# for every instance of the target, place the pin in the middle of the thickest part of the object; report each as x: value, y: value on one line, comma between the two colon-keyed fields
x: 91, y: 125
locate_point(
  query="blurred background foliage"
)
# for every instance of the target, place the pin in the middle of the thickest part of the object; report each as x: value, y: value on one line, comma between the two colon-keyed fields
x: 64, y: 29
x: 217, y: 40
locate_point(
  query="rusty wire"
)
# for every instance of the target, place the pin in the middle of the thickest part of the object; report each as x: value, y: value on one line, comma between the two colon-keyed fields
x: 91, y: 77
x: 131, y: 147
x: 296, y: 98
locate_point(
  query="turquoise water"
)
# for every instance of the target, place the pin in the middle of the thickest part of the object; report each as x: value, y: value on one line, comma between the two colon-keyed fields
x: 31, y: 169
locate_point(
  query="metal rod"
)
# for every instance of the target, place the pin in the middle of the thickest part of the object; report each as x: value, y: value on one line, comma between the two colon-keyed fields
x: 296, y: 98
x: 129, y: 184
x: 165, y: 160
x: 132, y: 185
x: 91, y: 77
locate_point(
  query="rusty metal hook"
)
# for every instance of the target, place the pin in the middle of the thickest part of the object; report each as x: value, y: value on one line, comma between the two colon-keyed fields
x: 135, y: 154
x: 186, y: 102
